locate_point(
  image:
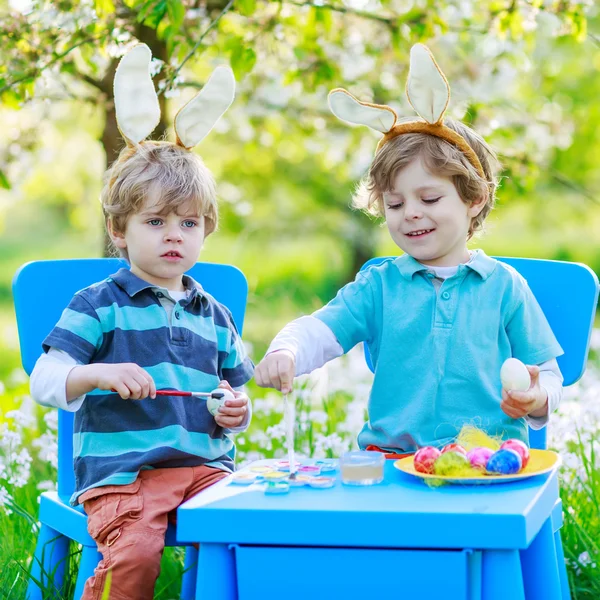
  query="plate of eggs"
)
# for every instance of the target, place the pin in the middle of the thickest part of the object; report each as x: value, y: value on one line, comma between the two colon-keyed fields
x: 513, y: 461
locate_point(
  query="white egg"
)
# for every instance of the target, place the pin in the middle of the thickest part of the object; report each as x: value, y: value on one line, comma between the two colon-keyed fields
x: 514, y: 375
x: 213, y: 404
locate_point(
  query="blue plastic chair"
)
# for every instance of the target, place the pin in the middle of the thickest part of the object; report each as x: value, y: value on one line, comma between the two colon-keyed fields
x: 41, y: 291
x: 568, y: 294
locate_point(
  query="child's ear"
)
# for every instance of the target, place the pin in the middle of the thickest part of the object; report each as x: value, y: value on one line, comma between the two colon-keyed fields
x: 118, y: 238
x: 476, y: 207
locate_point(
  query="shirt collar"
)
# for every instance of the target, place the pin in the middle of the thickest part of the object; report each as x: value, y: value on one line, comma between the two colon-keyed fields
x: 132, y: 284
x: 480, y: 262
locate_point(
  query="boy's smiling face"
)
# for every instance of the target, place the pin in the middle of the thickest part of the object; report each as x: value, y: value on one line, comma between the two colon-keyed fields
x: 427, y: 218
x: 161, y: 247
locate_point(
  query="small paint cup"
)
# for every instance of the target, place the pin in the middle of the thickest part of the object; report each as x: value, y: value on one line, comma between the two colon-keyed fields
x: 244, y: 478
x: 327, y: 465
x: 322, y: 482
x: 312, y: 470
x: 277, y: 487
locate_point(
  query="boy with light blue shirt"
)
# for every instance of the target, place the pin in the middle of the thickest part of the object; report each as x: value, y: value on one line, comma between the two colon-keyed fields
x: 440, y: 320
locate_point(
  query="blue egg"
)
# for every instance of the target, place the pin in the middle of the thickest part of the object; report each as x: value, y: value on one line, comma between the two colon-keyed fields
x: 504, y: 462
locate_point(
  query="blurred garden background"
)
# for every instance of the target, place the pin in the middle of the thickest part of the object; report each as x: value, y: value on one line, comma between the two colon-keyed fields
x: 524, y: 73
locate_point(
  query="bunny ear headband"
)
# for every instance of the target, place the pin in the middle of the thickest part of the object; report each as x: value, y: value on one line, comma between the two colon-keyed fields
x: 428, y: 93
x: 138, y: 111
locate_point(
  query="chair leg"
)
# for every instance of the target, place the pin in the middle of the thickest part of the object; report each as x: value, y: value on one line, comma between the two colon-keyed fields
x: 90, y: 557
x: 562, y: 567
x: 48, y: 564
x: 190, y: 570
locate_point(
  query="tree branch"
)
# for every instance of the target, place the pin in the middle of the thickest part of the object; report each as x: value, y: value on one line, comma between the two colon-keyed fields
x: 345, y: 10
x: 573, y: 186
x: 191, y: 53
x: 35, y: 72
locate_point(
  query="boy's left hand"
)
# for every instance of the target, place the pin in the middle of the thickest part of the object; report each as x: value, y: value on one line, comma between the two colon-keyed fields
x: 533, y: 402
x: 233, y: 412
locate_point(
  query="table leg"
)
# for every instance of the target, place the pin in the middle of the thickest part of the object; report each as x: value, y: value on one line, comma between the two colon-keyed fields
x: 501, y: 575
x: 216, y: 573
x: 540, y: 568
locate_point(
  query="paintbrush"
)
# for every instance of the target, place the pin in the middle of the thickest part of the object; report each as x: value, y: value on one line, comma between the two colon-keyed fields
x: 288, y: 416
x: 217, y: 395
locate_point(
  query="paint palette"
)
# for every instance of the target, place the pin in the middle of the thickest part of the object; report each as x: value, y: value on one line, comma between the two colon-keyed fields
x: 275, y: 478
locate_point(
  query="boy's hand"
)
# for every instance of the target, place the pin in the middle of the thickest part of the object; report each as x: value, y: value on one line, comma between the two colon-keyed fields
x: 533, y: 402
x: 129, y: 380
x: 277, y: 370
x: 233, y: 412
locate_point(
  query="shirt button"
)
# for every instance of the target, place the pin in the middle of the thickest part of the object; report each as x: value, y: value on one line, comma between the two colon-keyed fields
x: 177, y: 315
x: 446, y: 296
x: 159, y: 294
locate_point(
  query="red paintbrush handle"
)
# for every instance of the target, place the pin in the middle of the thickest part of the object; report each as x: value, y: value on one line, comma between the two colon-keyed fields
x: 178, y: 393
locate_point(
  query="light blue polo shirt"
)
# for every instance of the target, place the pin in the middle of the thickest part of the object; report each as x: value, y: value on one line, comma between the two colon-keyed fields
x: 437, y: 355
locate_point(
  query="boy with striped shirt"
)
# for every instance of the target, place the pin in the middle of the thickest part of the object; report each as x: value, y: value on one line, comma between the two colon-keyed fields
x: 137, y: 457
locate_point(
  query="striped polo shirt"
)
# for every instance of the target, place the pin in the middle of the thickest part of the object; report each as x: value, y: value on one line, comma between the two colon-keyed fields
x: 121, y: 320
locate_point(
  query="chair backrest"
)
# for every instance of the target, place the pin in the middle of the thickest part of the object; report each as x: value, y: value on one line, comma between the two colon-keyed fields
x: 43, y: 289
x: 568, y: 294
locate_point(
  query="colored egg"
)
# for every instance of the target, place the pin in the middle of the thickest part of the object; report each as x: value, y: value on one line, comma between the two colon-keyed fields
x: 451, y: 464
x: 213, y: 404
x: 520, y: 448
x: 425, y: 458
x: 478, y: 457
x: 514, y: 375
x: 504, y: 462
x: 454, y: 448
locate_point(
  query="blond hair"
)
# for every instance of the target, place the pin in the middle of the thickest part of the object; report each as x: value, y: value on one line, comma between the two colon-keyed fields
x: 175, y: 175
x: 443, y: 159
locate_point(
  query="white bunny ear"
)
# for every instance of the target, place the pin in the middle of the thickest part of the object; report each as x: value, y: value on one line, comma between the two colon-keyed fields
x: 347, y: 108
x: 199, y: 115
x: 427, y: 88
x: 136, y: 102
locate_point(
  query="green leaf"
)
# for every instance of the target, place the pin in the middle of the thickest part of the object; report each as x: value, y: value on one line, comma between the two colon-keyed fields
x: 156, y: 14
x: 176, y: 11
x: 246, y: 7
x: 104, y: 7
x: 11, y: 99
x: 4, y: 182
x: 242, y: 61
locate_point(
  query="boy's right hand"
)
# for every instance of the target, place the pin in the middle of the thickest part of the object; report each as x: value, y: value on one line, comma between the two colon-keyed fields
x: 129, y: 380
x: 277, y: 370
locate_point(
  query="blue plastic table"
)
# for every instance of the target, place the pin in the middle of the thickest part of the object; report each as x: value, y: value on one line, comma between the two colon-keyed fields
x: 398, y: 539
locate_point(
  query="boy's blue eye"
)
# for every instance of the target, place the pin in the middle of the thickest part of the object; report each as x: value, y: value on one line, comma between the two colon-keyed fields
x: 190, y: 224
x: 154, y: 222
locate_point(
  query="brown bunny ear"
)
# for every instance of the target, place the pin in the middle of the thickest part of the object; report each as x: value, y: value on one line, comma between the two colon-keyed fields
x: 347, y: 108
x: 136, y: 102
x: 427, y: 88
x: 194, y: 121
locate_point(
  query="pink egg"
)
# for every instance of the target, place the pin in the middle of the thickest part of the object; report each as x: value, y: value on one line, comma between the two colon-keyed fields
x: 424, y: 459
x: 454, y: 448
x: 478, y: 457
x: 519, y: 447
